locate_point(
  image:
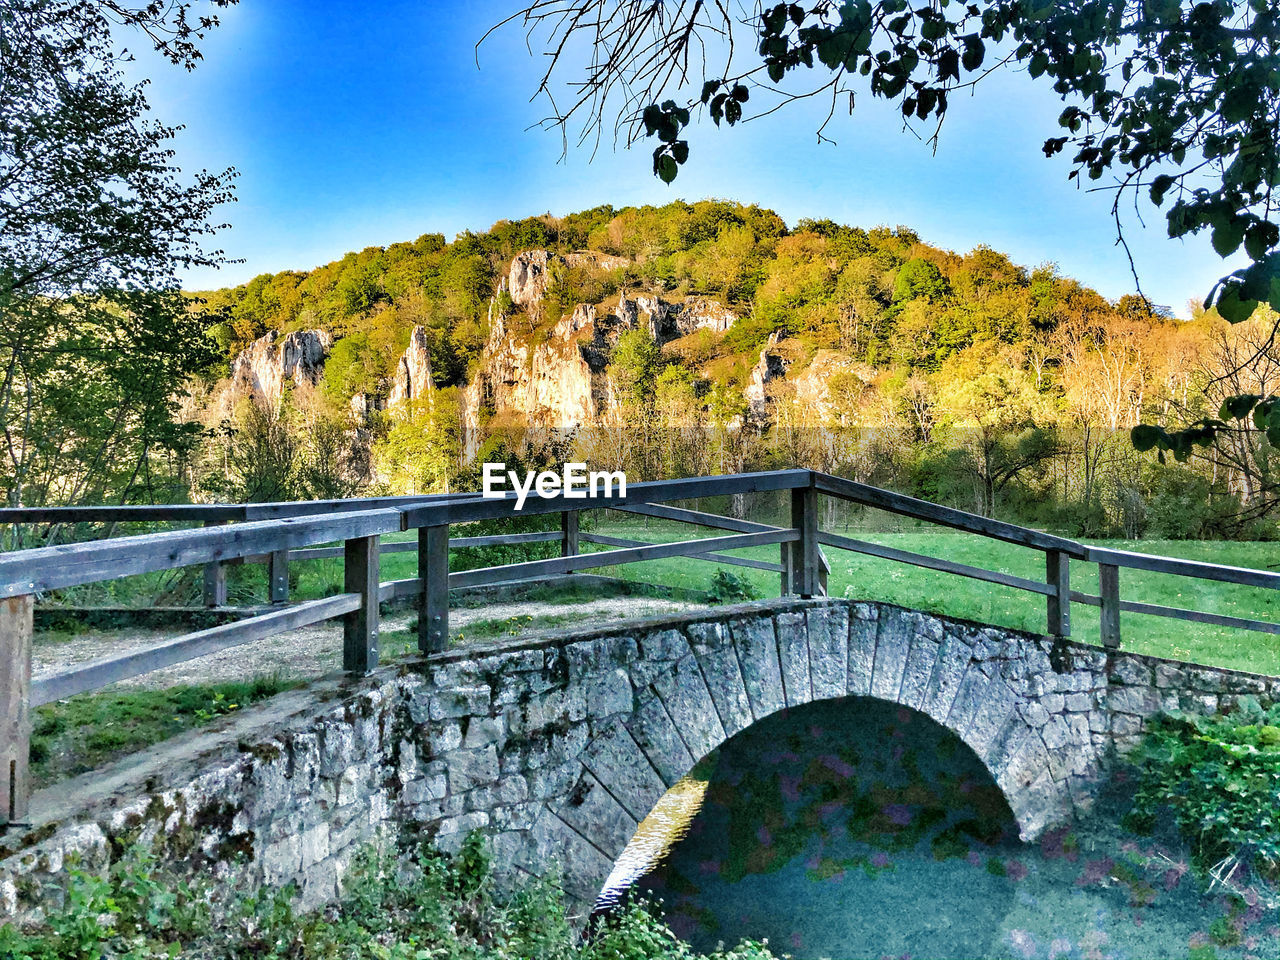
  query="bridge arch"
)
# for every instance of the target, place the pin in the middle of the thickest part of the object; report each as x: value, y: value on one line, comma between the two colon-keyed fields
x: 662, y: 698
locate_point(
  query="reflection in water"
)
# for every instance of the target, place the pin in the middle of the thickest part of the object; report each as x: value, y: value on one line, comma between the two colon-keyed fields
x: 860, y: 829
x: 665, y: 826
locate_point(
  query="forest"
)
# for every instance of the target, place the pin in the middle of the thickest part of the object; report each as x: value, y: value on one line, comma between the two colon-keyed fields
x: 963, y: 378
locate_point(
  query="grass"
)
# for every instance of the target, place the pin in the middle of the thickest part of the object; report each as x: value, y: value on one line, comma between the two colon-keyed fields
x: 84, y: 732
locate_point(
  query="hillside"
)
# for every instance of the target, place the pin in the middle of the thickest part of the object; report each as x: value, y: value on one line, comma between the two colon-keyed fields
x: 710, y: 336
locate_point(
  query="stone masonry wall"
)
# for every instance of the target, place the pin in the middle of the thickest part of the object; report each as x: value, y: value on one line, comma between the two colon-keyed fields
x: 557, y: 746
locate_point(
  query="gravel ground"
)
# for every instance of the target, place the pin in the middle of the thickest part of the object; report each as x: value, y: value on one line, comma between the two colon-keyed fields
x: 315, y: 651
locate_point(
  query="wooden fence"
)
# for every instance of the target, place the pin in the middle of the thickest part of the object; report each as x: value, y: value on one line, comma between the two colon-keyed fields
x: 278, y: 533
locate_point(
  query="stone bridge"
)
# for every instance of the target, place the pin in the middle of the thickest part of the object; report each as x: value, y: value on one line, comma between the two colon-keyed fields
x: 557, y: 746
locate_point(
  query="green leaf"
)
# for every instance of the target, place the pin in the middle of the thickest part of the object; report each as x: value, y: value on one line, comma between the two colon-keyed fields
x: 1227, y: 236
x: 666, y: 168
x: 1145, y: 436
x: 709, y: 88
x: 1239, y: 407
x: 680, y: 150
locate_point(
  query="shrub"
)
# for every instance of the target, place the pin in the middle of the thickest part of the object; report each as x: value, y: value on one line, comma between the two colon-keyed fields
x: 1220, y: 778
x: 728, y: 587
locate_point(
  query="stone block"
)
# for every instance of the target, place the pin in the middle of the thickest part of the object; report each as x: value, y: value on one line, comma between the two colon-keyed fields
x: 684, y: 693
x: 617, y: 760
x: 948, y: 672
x: 719, y: 662
x: 863, y: 627
x: 482, y: 731
x: 921, y: 657
x: 471, y: 768
x: 828, y: 628
x: 608, y: 693
x: 459, y: 702
x: 757, y: 648
x: 893, y: 643
x: 596, y: 814
x: 1141, y: 701
x: 655, y: 733
x: 793, y: 657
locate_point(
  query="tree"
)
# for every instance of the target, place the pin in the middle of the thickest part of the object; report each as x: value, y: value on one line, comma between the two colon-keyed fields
x: 1174, y: 101
x: 95, y: 337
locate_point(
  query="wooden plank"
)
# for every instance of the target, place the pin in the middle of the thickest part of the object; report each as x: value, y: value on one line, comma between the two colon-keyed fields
x: 804, y: 552
x: 215, y: 578
x: 99, y: 673
x: 570, y: 534
x: 713, y: 520
x: 711, y: 557
x: 15, y: 707
x: 609, y: 558
x: 390, y: 590
x: 360, y: 626
x: 934, y: 563
x: 278, y: 576
x: 67, y: 565
x: 433, y: 602
x: 946, y: 516
x: 1183, y: 568
x: 1181, y: 613
x: 505, y: 539
x: 1109, y: 589
x: 1058, y: 577
x: 652, y: 491
x: 140, y: 513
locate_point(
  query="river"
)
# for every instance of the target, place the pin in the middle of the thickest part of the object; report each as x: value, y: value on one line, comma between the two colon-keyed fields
x: 858, y: 829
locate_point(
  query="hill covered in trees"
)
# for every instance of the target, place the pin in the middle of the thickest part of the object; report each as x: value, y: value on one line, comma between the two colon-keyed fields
x: 708, y: 337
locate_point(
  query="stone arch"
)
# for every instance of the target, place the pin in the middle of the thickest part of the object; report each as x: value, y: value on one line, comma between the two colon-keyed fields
x: 669, y: 695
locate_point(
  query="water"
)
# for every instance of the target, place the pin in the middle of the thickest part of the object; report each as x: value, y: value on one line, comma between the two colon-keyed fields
x: 858, y: 829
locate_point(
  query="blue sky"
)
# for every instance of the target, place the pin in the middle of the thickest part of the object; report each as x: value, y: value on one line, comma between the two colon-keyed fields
x: 351, y: 130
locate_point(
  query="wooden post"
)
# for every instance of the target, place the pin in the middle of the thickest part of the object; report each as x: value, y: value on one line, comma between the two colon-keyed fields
x: 278, y: 576
x: 784, y: 550
x: 569, y: 533
x: 15, y: 711
x: 1109, y: 590
x: 804, y: 552
x: 433, y: 603
x: 215, y: 578
x: 1058, y: 576
x: 360, y: 627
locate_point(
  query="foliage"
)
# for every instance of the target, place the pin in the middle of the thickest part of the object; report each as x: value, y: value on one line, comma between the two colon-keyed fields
x: 96, y: 340
x: 1220, y: 778
x: 729, y: 587
x: 408, y: 904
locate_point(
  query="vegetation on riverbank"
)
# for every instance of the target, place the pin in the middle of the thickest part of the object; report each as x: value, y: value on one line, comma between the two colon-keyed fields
x: 410, y: 904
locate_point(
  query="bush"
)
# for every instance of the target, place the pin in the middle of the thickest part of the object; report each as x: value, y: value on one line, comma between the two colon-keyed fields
x: 727, y: 587
x: 1220, y: 778
x: 407, y: 904
x: 1182, y: 505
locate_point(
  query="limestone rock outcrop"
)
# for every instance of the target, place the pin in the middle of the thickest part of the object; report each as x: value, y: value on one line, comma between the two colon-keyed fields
x: 771, y: 366
x: 828, y: 380
x: 413, y: 371
x: 266, y: 364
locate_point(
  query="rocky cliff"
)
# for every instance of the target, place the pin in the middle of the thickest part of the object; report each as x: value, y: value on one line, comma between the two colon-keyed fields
x: 413, y: 372
x: 270, y: 361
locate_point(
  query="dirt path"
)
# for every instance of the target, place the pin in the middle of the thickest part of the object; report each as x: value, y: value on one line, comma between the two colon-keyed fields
x: 315, y: 651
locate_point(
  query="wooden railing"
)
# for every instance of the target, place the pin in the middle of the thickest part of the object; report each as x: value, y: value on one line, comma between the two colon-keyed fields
x: 278, y: 533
